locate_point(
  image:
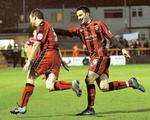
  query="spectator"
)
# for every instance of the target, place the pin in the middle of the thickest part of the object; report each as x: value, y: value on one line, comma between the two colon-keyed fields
x: 75, y: 51
x: 64, y: 52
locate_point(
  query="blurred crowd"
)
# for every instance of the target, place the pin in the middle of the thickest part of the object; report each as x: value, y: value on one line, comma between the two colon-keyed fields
x: 139, y: 43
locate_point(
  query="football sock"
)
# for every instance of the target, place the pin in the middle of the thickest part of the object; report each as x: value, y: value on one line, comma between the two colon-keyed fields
x: 116, y: 85
x: 27, y: 92
x: 91, y: 94
x: 62, y: 85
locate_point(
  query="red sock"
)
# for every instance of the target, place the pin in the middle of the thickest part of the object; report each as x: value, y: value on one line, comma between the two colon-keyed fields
x: 91, y: 94
x: 62, y: 85
x: 27, y: 92
x: 116, y: 85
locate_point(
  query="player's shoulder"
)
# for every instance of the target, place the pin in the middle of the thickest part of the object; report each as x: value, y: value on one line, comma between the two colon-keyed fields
x: 45, y: 23
x: 76, y: 26
x: 97, y: 21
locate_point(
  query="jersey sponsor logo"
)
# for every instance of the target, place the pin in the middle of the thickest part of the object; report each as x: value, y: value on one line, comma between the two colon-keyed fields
x: 39, y: 36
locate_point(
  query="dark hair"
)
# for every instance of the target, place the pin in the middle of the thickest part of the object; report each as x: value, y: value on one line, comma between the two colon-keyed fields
x: 84, y: 8
x: 37, y: 13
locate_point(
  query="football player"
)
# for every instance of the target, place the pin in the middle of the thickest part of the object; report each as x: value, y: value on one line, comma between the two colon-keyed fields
x: 48, y: 62
x: 94, y: 35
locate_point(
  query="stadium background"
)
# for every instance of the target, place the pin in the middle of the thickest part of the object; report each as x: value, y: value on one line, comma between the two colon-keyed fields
x: 128, y: 15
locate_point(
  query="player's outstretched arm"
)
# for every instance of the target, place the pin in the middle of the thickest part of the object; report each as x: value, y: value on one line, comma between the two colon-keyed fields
x: 63, y: 32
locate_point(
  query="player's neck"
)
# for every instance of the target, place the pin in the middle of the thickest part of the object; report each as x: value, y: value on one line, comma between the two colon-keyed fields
x: 88, y: 21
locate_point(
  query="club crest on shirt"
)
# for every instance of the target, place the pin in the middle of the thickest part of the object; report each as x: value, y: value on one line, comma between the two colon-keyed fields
x: 96, y: 27
x: 39, y: 36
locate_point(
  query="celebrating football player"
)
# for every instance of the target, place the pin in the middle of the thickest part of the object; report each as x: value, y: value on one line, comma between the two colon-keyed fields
x: 93, y: 34
x: 48, y: 62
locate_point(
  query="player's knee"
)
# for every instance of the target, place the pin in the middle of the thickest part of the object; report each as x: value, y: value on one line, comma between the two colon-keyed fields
x: 104, y: 77
x: 49, y: 86
x: 50, y: 82
x: 104, y: 86
x: 89, y: 80
x: 91, y: 77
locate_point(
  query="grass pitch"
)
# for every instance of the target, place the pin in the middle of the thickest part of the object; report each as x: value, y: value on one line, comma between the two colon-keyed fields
x: 127, y: 104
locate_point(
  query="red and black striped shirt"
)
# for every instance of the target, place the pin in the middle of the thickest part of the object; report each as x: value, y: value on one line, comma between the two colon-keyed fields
x: 94, y: 36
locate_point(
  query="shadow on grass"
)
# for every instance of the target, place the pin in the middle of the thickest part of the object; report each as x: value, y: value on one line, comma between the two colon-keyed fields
x: 54, y: 116
x: 99, y: 114
x: 125, y: 111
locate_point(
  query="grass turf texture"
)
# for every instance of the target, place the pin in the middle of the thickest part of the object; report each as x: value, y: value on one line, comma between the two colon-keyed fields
x: 127, y: 104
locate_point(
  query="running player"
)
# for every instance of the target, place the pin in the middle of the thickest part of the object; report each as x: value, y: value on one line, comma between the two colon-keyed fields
x: 48, y: 62
x: 94, y: 35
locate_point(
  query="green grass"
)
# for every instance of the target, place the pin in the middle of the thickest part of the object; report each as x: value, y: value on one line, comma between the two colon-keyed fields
x: 127, y: 104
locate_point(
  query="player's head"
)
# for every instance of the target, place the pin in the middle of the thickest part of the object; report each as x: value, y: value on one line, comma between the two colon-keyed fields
x: 35, y: 16
x: 83, y: 14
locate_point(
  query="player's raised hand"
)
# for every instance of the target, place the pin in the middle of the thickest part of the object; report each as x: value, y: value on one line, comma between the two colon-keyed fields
x: 125, y: 53
x: 65, y: 65
x: 27, y: 66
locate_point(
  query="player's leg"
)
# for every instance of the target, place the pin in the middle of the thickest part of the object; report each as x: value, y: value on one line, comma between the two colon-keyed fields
x: 116, y: 84
x: 39, y: 66
x: 52, y: 84
x: 27, y: 92
x: 91, y: 92
x: 64, y: 85
x: 105, y: 86
x: 96, y: 68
